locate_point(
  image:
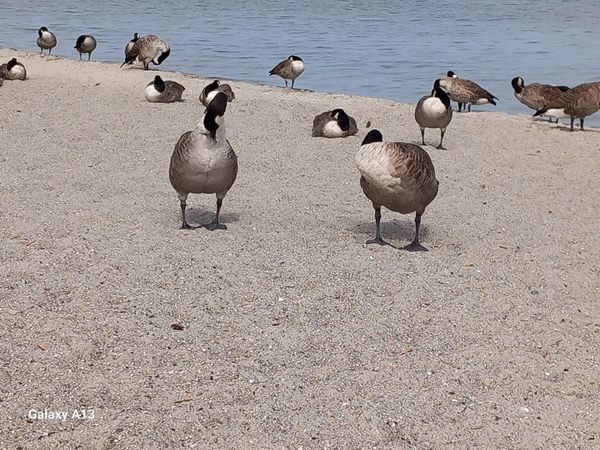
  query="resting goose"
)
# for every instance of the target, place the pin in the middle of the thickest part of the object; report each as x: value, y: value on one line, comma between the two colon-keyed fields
x: 334, y: 124
x: 465, y: 92
x: 209, y: 92
x: 577, y: 103
x: 150, y: 48
x: 13, y: 70
x: 203, y: 161
x: 160, y: 91
x: 85, y: 44
x: 46, y: 40
x: 434, y: 111
x: 289, y: 69
x: 396, y: 175
x: 536, y: 95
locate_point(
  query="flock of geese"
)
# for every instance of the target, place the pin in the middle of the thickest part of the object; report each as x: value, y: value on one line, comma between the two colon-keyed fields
x: 396, y: 175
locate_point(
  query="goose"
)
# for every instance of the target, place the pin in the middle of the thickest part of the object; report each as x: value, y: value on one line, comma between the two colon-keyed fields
x: 146, y: 49
x: 46, y: 40
x: 577, y: 103
x: 289, y: 69
x: 334, y: 124
x: 85, y: 44
x: 203, y: 161
x: 209, y: 92
x: 135, y: 38
x: 536, y: 95
x: 159, y: 91
x: 396, y: 175
x: 465, y: 92
x: 13, y: 70
x: 434, y: 111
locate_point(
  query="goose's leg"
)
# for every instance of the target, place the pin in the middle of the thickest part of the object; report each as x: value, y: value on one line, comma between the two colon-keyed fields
x: 422, y: 136
x: 415, y: 245
x: 581, y: 124
x: 89, y: 56
x: 293, y: 84
x: 285, y: 82
x: 572, y: 122
x: 80, y: 57
x: 460, y: 107
x: 182, y: 199
x: 469, y: 107
x: 378, y: 239
x: 215, y: 224
x: 441, y: 146
x: 49, y: 51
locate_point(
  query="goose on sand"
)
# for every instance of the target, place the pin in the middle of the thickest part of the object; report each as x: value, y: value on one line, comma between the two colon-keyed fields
x: 434, y: 111
x: 210, y: 90
x: 334, y: 124
x: 46, y: 40
x: 85, y: 44
x: 396, y: 175
x: 13, y: 70
x: 203, y: 161
x: 536, y: 95
x: 465, y: 92
x: 577, y: 103
x: 159, y: 91
x: 289, y: 69
x: 150, y: 48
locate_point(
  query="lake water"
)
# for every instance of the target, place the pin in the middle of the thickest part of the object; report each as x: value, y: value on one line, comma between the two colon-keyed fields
x: 388, y: 49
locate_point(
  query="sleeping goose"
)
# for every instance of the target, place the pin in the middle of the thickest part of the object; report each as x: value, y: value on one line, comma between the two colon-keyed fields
x: 465, y: 92
x: 46, y: 40
x: 334, y: 124
x: 209, y: 92
x: 159, y: 91
x: 536, y: 95
x: 396, y: 175
x: 135, y: 38
x: 203, y: 161
x: 577, y: 103
x: 146, y: 49
x: 289, y: 69
x: 85, y: 44
x: 13, y: 70
x: 434, y: 111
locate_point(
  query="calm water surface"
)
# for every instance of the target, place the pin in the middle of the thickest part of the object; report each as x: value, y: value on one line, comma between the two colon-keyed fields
x: 388, y: 49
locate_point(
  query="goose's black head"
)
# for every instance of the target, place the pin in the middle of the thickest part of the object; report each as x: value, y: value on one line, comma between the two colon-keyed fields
x: 211, y: 87
x: 12, y: 63
x: 164, y: 55
x: 372, y: 136
x: 215, y: 110
x: 136, y: 36
x: 518, y: 84
x: 41, y: 30
x: 80, y: 40
x: 159, y: 84
x: 451, y: 74
x: 295, y: 58
x: 342, y: 118
x: 438, y: 92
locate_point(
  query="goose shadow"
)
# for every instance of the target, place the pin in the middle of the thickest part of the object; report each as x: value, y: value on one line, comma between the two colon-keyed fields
x: 198, y: 217
x: 400, y: 230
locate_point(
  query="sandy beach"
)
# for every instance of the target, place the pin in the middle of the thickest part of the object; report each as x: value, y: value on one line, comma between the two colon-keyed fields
x: 295, y: 333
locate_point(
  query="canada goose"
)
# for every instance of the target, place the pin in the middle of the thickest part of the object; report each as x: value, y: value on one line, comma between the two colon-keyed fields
x: 146, y: 49
x: 577, y: 103
x: 465, y: 92
x: 159, y: 91
x: 209, y: 92
x: 334, y: 124
x: 434, y: 111
x: 289, y: 69
x: 203, y: 161
x: 46, y: 40
x: 536, y: 95
x: 85, y: 44
x: 13, y: 70
x: 396, y: 175
x: 135, y: 38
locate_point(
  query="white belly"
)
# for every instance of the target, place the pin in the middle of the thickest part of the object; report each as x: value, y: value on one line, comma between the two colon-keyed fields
x: 434, y: 108
x: 481, y: 101
x: 557, y: 113
x: 332, y: 130
x: 17, y: 72
x: 152, y: 95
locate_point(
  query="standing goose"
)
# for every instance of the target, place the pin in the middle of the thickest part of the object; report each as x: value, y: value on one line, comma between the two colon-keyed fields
x: 289, y: 69
x: 396, y: 175
x: 334, y: 124
x: 536, y: 95
x: 160, y: 91
x: 135, y: 38
x: 203, y: 161
x: 577, y: 103
x: 46, y: 40
x: 85, y: 44
x: 146, y: 49
x: 434, y: 111
x: 465, y: 92
x: 209, y: 92
x: 13, y: 70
